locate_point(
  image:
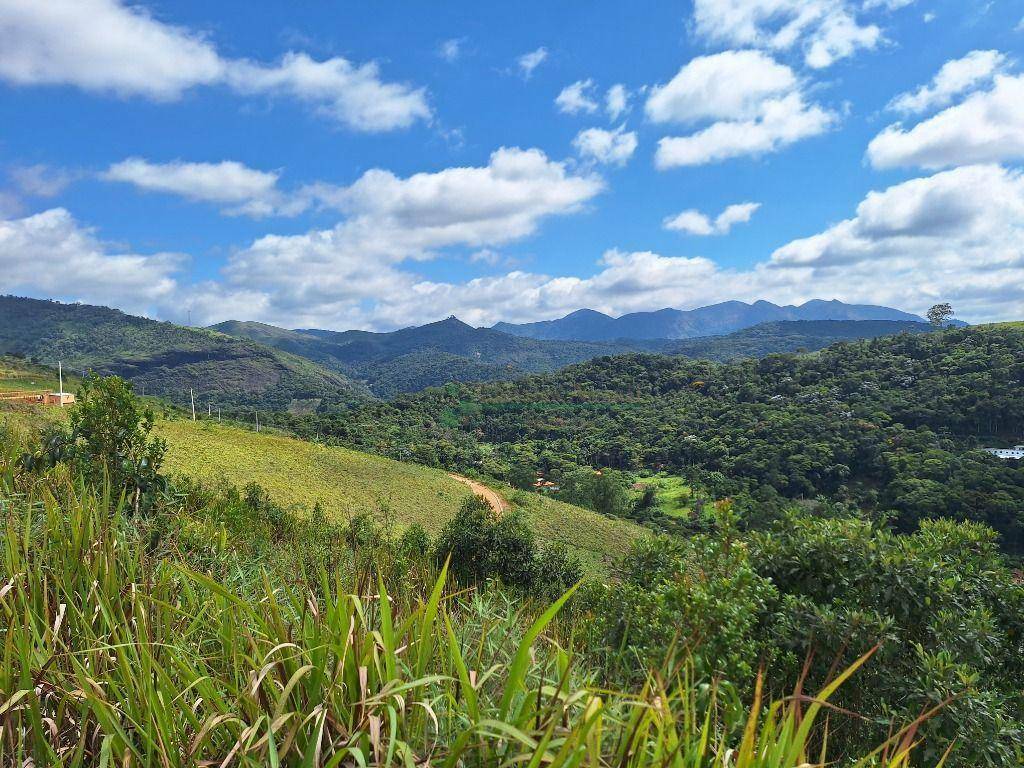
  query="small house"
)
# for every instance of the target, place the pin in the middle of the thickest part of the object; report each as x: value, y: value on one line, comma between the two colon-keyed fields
x: 1017, y: 452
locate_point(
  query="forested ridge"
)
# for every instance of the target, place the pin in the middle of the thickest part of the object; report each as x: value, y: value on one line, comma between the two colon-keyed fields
x: 169, y: 360
x: 889, y: 425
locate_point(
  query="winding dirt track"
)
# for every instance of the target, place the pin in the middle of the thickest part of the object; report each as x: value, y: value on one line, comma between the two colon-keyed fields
x: 498, y: 504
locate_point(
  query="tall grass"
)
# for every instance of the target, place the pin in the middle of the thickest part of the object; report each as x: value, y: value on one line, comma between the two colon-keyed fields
x: 116, y: 650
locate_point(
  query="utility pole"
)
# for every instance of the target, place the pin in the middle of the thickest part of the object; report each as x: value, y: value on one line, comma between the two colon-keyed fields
x: 218, y: 414
x: 257, y: 421
x: 193, y: 396
x: 60, y: 375
x: 209, y: 410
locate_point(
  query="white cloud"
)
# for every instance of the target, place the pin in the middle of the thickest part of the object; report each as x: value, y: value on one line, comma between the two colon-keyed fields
x: 451, y: 50
x: 891, y: 5
x: 693, y: 222
x: 576, y: 98
x: 500, y: 201
x: 616, y: 101
x: 755, y: 105
x: 610, y: 147
x: 530, y: 61
x: 106, y: 46
x: 826, y: 30
x: 732, y: 85
x: 354, y: 95
x: 986, y: 127
x: 41, y: 180
x: 49, y: 254
x: 957, y: 235
x: 954, y: 78
x: 224, y: 182
x: 782, y: 122
x: 352, y: 271
x: 929, y: 17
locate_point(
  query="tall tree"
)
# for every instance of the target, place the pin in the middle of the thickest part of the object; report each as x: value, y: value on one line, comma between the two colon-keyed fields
x: 940, y: 314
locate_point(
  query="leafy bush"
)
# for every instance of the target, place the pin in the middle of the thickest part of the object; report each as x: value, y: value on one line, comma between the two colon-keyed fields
x: 481, y: 546
x: 942, y: 603
x: 678, y: 599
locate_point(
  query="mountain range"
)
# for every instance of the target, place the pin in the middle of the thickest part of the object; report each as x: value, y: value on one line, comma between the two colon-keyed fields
x: 243, y: 365
x: 423, y: 356
x: 713, y: 320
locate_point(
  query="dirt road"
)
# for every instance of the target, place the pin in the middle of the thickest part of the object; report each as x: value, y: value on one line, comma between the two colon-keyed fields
x: 498, y: 504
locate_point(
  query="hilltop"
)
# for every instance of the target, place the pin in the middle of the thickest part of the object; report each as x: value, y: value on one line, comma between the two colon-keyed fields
x: 167, y: 360
x: 716, y: 319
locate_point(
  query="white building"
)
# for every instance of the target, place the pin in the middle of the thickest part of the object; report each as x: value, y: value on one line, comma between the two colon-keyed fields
x: 1017, y: 452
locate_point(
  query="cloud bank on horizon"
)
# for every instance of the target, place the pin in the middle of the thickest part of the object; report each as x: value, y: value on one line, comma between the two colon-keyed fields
x: 930, y: 207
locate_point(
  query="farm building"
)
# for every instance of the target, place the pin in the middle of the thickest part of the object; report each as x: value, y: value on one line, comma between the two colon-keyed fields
x: 37, y: 398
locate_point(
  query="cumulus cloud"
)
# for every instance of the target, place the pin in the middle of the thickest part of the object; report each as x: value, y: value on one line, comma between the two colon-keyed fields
x: 826, y: 30
x: 107, y: 46
x: 353, y: 270
x: 354, y: 95
x: 616, y: 101
x: 50, y: 254
x: 693, y: 222
x: 504, y: 199
x: 753, y: 103
x: 230, y: 182
x: 576, y: 98
x: 957, y: 235
x: 988, y: 126
x: 613, y: 147
x: 954, y: 78
x: 530, y: 61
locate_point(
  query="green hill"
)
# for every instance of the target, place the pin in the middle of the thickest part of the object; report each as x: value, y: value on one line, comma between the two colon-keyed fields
x: 299, y: 474
x: 167, y: 360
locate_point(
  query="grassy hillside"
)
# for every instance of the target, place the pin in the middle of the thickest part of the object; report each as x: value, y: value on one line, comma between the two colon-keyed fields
x: 166, y: 359
x: 348, y: 482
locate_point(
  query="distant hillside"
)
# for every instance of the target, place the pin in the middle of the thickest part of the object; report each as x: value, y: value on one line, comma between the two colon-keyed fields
x: 588, y: 325
x: 788, y: 336
x: 430, y: 355
x: 414, y: 359
x: 166, y: 360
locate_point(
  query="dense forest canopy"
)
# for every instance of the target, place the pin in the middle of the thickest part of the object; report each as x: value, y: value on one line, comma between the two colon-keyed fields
x: 891, y: 424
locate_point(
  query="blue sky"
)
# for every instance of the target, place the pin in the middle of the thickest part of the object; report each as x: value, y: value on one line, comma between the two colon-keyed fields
x: 377, y: 164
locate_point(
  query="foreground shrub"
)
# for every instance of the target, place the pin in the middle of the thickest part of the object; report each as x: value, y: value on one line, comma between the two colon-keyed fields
x: 482, y: 545
x: 116, y: 655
